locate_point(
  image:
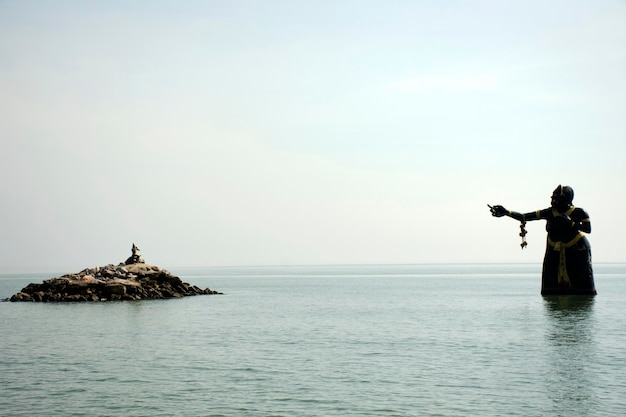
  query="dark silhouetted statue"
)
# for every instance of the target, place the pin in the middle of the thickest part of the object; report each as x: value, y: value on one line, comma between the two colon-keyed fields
x: 567, y: 268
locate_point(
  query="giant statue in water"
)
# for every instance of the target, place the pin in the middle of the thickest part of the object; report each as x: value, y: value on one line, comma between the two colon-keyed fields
x: 567, y: 266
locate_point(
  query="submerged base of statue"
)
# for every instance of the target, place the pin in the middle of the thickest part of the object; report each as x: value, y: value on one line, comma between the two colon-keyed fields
x: 567, y: 269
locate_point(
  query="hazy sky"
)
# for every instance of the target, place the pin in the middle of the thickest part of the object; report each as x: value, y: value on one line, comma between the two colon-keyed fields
x: 319, y: 132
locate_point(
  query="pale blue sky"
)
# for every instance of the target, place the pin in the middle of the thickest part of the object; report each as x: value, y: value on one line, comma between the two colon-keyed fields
x: 288, y: 132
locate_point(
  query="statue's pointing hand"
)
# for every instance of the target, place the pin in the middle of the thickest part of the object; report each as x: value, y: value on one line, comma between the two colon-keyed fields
x: 497, y: 210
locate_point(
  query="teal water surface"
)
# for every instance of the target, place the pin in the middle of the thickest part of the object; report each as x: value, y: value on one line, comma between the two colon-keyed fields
x: 386, y: 340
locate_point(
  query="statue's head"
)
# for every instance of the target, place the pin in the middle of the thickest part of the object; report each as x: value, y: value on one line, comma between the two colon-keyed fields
x: 562, y: 197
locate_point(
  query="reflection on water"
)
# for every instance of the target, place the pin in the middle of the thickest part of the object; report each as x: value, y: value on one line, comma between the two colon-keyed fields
x: 571, y: 354
x: 569, y: 303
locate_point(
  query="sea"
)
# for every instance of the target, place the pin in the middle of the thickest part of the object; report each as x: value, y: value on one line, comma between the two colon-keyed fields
x: 340, y: 340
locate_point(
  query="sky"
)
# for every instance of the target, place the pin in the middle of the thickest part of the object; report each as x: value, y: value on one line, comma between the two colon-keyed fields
x: 221, y: 133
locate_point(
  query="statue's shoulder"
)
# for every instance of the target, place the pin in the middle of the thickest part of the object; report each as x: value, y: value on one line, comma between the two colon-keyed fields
x: 580, y: 213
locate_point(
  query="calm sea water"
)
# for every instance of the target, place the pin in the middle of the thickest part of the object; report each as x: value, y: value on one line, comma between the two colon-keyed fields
x: 407, y: 340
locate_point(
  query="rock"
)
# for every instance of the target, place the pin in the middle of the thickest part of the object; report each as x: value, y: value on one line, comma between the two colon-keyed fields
x: 134, y: 281
x: 21, y: 296
x: 114, y: 288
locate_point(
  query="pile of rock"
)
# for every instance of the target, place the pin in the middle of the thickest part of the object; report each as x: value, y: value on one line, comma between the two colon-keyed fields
x: 136, y: 281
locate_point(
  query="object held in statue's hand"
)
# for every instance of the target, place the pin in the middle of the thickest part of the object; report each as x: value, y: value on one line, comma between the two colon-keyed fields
x: 523, y: 233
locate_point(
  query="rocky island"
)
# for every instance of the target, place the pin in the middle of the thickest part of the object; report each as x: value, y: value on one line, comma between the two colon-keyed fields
x: 129, y: 280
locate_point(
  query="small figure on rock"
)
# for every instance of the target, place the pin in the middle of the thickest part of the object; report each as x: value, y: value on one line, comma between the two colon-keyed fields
x: 567, y: 265
x: 136, y: 257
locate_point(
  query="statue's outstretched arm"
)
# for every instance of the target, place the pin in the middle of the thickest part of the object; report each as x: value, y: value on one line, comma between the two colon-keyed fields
x: 499, y: 211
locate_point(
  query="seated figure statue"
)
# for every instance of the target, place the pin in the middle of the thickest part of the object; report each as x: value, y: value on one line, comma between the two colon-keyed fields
x: 135, y: 257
